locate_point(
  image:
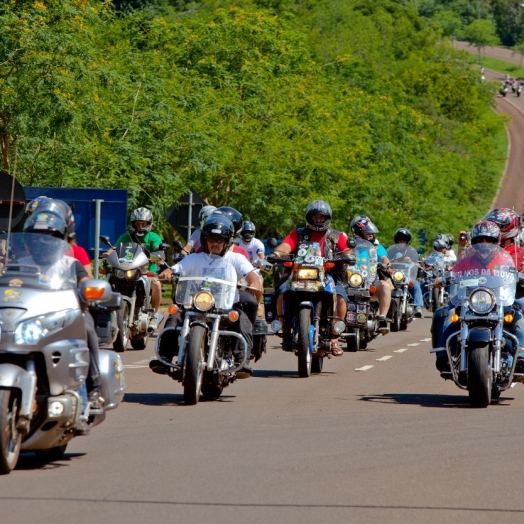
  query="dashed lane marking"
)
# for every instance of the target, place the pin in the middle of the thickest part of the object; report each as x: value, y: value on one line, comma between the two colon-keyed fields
x: 414, y: 344
x: 138, y: 364
x: 132, y: 366
x: 425, y: 339
x: 383, y: 359
x: 401, y: 350
x: 363, y: 368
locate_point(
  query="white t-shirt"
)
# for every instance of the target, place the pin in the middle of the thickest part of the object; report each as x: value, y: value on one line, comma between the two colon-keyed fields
x: 254, y: 247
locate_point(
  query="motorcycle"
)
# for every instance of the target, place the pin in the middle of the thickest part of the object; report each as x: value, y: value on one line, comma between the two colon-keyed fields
x: 44, y: 357
x: 205, y: 362
x: 105, y: 316
x: 403, y: 261
x: 128, y: 275
x: 519, y: 90
x: 362, y: 310
x: 481, y: 352
x: 434, y: 276
x: 309, y: 302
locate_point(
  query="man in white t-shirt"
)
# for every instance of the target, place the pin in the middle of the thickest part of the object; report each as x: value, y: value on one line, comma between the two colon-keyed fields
x: 252, y: 245
x: 216, y: 261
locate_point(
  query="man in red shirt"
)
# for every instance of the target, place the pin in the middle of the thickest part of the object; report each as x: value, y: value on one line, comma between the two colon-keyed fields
x: 318, y: 219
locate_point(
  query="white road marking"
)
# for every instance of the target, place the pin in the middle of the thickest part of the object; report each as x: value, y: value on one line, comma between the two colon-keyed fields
x: 143, y: 361
x: 363, y: 368
x: 133, y: 366
x: 401, y: 350
x: 425, y: 339
x: 414, y: 344
x: 383, y: 359
x: 513, y: 384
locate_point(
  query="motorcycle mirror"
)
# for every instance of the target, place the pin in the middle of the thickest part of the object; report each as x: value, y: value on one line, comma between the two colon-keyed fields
x: 272, y: 243
x: 163, y: 246
x: 105, y: 240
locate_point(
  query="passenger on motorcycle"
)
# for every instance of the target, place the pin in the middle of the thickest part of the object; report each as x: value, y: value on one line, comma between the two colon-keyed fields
x: 403, y: 237
x: 362, y: 227
x: 216, y: 261
x: 54, y: 217
x: 485, y: 237
x: 252, y: 245
x: 140, y: 233
x: 332, y: 243
x: 193, y: 243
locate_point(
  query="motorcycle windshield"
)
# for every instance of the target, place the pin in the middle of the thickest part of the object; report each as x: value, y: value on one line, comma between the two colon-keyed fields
x: 436, y: 260
x: 402, y: 253
x: 223, y: 291
x: 498, y: 274
x: 310, y: 254
x: 128, y: 256
x: 37, y: 261
x: 366, y: 263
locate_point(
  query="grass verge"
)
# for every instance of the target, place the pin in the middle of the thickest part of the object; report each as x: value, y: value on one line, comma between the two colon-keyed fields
x: 500, y: 66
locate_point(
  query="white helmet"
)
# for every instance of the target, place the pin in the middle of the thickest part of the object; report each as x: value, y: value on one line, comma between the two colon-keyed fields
x: 141, y: 214
x: 205, y: 212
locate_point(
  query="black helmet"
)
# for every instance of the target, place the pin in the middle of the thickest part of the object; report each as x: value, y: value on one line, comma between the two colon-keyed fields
x: 217, y: 225
x: 318, y: 207
x: 402, y: 234
x: 483, y: 231
x: 51, y: 217
x: 248, y: 231
x: 233, y: 215
x: 362, y: 225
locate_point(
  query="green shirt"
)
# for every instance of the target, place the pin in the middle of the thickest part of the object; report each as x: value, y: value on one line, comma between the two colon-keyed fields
x: 150, y: 241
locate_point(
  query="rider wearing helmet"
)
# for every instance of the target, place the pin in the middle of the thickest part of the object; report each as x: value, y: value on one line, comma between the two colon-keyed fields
x: 252, y: 245
x: 332, y: 242
x: 363, y: 227
x: 141, y: 233
x: 405, y: 253
x: 31, y: 206
x: 236, y: 219
x: 54, y: 218
x: 215, y: 260
x: 193, y: 244
x: 484, y: 255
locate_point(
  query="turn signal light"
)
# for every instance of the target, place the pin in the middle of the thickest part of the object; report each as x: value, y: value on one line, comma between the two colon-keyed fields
x: 508, y: 317
x: 233, y: 316
x: 173, y: 309
x: 329, y: 265
x: 454, y: 317
x: 411, y: 284
x: 288, y: 264
x: 150, y: 274
x: 93, y: 293
x: 373, y: 290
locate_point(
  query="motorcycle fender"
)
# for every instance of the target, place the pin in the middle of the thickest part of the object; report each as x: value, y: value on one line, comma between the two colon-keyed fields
x: 306, y: 304
x: 398, y: 293
x: 12, y: 376
x: 479, y: 336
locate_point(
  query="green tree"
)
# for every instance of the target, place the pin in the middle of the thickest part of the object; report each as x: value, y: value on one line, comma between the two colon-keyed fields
x: 481, y: 33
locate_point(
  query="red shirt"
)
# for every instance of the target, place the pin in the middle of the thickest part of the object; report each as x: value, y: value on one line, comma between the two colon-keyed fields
x: 81, y: 255
x: 472, y: 265
x: 315, y: 236
x: 514, y: 249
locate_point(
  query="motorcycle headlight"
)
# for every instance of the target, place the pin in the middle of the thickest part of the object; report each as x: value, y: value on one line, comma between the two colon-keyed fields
x: 356, y: 280
x: 398, y: 276
x: 481, y: 301
x: 203, y: 301
x: 310, y: 273
x: 32, y: 331
x: 119, y: 273
x: 131, y: 274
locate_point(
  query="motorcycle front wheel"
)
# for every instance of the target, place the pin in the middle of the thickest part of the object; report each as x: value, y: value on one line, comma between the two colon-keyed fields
x: 304, y: 356
x: 479, y: 377
x: 395, y: 318
x: 139, y: 343
x: 120, y: 343
x: 194, y: 365
x: 10, y: 438
x: 437, y: 302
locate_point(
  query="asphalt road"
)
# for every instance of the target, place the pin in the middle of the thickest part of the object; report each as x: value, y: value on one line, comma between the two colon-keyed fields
x: 394, y: 443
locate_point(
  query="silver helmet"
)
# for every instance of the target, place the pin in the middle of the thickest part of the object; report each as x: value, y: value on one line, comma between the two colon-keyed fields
x: 141, y: 214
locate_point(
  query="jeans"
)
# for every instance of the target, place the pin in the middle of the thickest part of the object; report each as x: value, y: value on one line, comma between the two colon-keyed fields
x: 93, y: 374
x: 416, y: 293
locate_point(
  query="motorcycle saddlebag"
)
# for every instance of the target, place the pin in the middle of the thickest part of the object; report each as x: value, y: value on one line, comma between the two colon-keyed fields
x: 112, y: 381
x: 270, y: 306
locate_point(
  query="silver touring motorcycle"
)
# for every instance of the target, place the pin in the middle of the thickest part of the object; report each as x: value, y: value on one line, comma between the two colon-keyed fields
x: 44, y: 356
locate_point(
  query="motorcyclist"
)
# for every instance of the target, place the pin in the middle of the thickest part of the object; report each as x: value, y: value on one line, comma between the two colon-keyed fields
x: 54, y: 217
x: 193, y: 243
x: 332, y: 242
x: 363, y: 227
x: 140, y: 233
x: 215, y: 260
x: 402, y: 239
x: 441, y: 244
x: 484, y: 254
x: 252, y: 245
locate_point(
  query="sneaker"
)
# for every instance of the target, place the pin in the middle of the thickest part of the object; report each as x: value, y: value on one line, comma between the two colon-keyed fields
x: 383, y: 326
x: 96, y: 400
x: 153, y: 323
x: 418, y: 312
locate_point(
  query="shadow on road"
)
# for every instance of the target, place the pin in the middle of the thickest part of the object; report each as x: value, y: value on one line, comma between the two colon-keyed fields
x: 166, y: 399
x: 426, y: 400
x: 28, y: 461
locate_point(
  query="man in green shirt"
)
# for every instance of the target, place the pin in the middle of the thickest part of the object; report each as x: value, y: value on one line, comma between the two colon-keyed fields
x: 141, y: 225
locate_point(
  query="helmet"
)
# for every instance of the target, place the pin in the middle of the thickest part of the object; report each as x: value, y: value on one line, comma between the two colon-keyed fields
x: 439, y: 243
x: 363, y: 226
x: 51, y: 217
x: 402, y: 234
x: 141, y: 214
x: 451, y: 240
x: 507, y: 220
x: 485, y: 230
x: 234, y: 215
x: 204, y: 213
x: 318, y: 207
x: 248, y: 231
x: 217, y: 225
x: 32, y: 205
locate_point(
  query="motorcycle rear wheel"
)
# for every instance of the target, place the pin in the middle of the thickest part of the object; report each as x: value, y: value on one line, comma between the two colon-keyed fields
x: 120, y: 343
x: 479, y: 377
x: 317, y: 364
x: 353, y: 342
x: 210, y: 392
x: 139, y: 343
x: 436, y: 299
x: 304, y: 356
x: 10, y: 438
x: 395, y: 318
x: 194, y: 365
